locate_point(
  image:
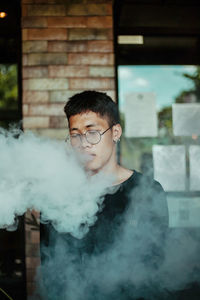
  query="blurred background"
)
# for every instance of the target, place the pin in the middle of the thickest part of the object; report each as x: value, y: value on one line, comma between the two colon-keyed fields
x: 145, y: 55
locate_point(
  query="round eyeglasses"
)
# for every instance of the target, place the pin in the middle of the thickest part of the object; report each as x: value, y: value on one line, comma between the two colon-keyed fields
x: 93, y: 137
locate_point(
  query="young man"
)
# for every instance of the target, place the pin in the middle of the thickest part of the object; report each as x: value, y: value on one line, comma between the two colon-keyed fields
x: 130, y: 227
x: 95, y: 129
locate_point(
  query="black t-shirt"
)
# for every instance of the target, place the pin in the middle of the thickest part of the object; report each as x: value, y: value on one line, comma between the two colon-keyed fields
x: 129, y: 232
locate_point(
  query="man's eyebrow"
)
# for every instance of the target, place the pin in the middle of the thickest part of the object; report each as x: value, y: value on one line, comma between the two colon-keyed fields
x: 91, y: 125
x: 73, y: 129
x: 87, y: 126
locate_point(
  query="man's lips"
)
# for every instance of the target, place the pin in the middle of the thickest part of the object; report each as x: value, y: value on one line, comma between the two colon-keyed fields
x: 89, y: 153
x: 89, y: 156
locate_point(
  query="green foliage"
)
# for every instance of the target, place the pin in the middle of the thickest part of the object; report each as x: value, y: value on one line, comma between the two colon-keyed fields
x: 192, y: 95
x: 8, y: 87
x: 165, y: 119
x: 185, y: 96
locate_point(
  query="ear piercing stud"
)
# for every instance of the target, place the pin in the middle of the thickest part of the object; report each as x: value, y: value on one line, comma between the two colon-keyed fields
x: 116, y: 141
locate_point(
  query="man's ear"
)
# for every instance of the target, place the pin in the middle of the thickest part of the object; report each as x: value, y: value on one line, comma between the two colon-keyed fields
x: 117, y: 132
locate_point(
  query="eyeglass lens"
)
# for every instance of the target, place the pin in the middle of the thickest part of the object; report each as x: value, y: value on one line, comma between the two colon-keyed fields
x: 92, y: 137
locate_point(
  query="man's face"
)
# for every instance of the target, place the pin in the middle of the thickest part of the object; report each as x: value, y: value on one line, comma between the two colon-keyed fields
x: 99, y: 155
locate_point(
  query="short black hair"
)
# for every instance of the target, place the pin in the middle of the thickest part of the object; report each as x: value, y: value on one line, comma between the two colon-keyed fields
x: 94, y: 101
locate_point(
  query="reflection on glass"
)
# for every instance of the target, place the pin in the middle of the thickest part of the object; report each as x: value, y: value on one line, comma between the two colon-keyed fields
x: 165, y: 160
x: 140, y: 115
x: 186, y: 119
x: 184, y: 212
x: 194, y: 155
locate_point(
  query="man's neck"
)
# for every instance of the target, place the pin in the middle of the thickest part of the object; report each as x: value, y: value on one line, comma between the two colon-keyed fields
x: 118, y: 172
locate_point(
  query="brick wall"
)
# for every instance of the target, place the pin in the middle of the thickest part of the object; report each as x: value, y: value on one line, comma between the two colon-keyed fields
x: 67, y: 48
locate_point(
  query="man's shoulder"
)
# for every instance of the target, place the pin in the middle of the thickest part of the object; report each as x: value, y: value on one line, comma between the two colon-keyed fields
x: 149, y: 196
x: 145, y: 181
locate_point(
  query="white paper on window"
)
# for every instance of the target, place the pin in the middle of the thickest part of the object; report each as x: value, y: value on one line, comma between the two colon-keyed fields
x: 184, y: 212
x: 186, y: 119
x: 170, y: 167
x: 194, y: 155
x: 140, y: 115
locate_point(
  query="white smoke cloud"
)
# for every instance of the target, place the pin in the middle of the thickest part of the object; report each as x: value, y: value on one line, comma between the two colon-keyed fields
x: 143, y: 261
x: 41, y: 174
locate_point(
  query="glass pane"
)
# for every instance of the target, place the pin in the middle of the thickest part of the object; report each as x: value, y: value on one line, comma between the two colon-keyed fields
x: 146, y: 97
x: 12, y: 241
x: 8, y: 87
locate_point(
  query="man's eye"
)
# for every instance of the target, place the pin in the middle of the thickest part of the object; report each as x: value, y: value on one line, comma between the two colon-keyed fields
x: 74, y: 135
x: 94, y: 132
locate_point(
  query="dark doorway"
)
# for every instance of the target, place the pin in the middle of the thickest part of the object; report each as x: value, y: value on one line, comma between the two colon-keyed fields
x: 12, y: 240
x: 170, y: 29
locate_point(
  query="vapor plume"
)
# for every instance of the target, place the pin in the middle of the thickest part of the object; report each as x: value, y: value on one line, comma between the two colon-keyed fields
x: 41, y: 174
x: 145, y: 261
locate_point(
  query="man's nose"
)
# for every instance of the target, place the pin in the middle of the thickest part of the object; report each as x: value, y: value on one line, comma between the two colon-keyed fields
x: 84, y: 142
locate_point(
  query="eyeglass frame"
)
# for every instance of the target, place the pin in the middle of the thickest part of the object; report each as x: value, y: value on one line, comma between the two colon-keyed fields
x: 84, y: 134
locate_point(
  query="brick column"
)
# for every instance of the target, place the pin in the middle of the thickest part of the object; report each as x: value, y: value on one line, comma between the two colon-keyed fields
x: 32, y: 258
x: 67, y: 48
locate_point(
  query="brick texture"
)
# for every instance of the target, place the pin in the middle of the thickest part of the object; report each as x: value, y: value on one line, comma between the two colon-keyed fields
x: 35, y: 96
x: 68, y: 71
x: 46, y: 10
x: 61, y: 46
x: 94, y: 84
x: 34, y: 46
x: 90, y: 9
x: 35, y: 72
x: 25, y: 60
x: 24, y: 10
x: 99, y: 22
x: 34, y: 22
x: 35, y: 122
x: 61, y: 96
x: 24, y: 34
x: 91, y: 59
x: 100, y: 46
x: 46, y: 59
x: 32, y: 251
x: 25, y: 109
x: 77, y: 34
x: 45, y: 84
x: 46, y: 109
x: 67, y: 22
x: 32, y: 262
x: 101, y: 71
x: 67, y: 47
x: 58, y: 122
x: 47, y: 34
x: 52, y: 133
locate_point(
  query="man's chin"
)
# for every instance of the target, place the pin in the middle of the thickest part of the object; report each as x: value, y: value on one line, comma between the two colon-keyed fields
x: 84, y: 158
x: 91, y: 167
